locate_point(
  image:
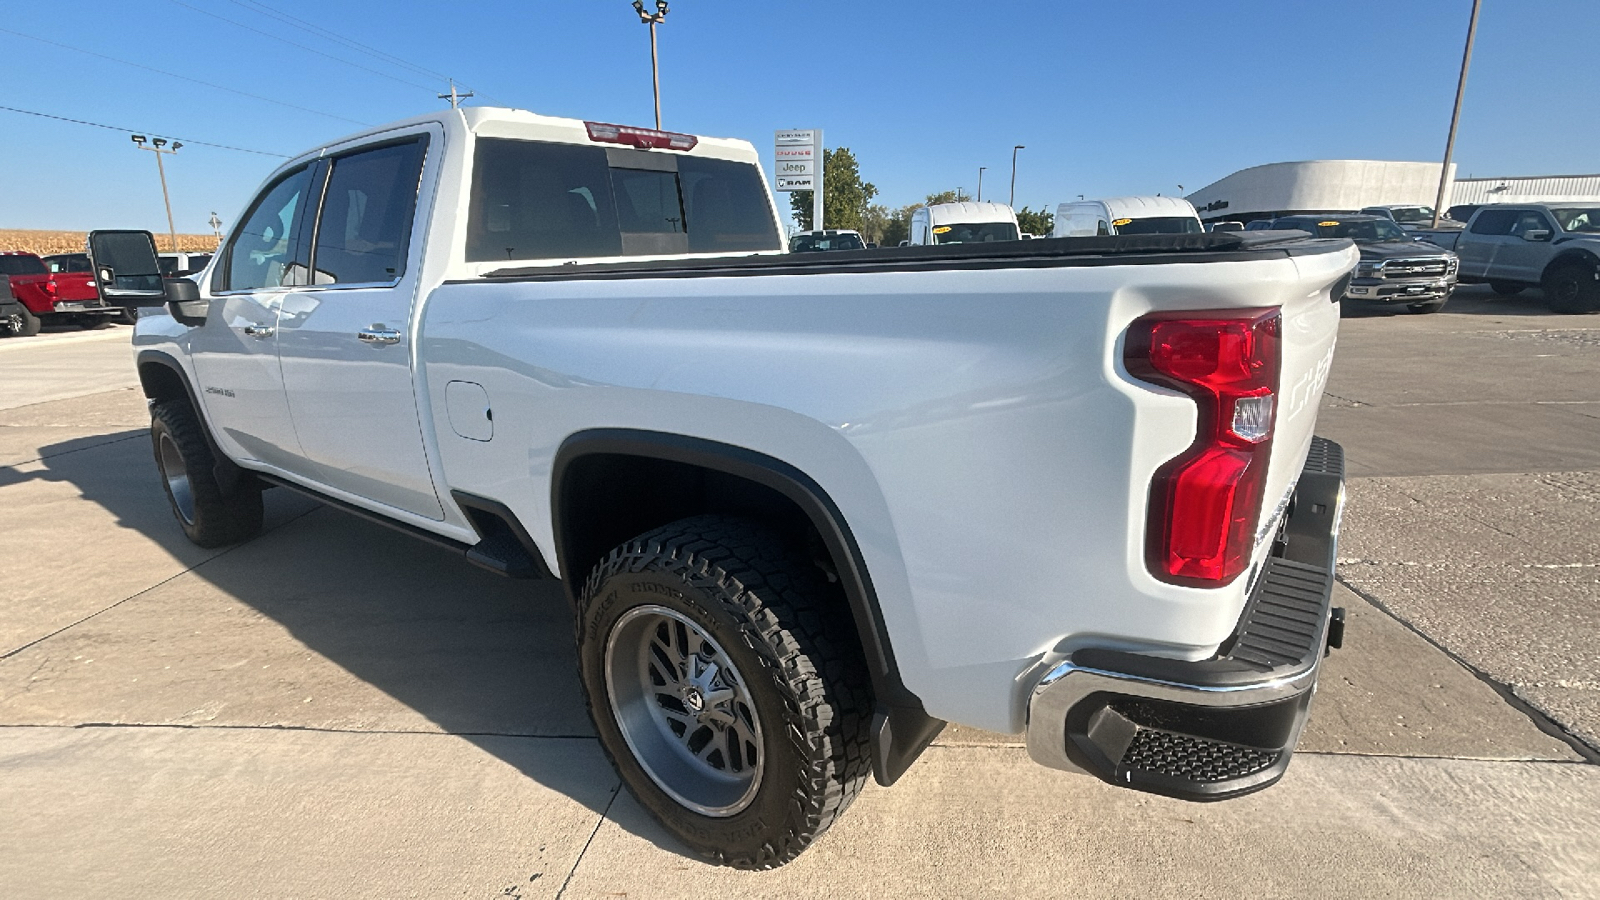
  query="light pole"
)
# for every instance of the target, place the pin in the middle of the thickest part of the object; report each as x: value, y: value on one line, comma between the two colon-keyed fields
x: 1450, y: 142
x: 157, y: 145
x: 653, y: 19
x: 1013, y: 201
x: 980, y: 183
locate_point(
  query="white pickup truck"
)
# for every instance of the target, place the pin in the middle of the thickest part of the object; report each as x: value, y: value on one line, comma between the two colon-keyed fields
x: 807, y: 507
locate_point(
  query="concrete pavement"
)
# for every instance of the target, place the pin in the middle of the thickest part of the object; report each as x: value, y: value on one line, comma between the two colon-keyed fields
x: 334, y: 708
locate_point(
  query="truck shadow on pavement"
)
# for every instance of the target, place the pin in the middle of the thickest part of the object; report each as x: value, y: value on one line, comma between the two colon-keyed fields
x: 403, y: 636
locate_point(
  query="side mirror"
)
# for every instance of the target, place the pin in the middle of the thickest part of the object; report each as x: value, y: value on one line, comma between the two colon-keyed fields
x: 125, y: 268
x: 1538, y: 234
x: 184, y: 302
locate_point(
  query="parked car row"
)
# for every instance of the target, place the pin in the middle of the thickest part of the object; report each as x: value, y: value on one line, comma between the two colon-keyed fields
x: 59, y: 289
x: 1510, y: 247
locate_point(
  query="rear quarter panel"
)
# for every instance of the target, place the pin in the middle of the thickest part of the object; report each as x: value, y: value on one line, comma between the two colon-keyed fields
x: 976, y: 428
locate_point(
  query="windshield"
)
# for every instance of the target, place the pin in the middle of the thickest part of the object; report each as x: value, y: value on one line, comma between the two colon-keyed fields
x: 806, y: 243
x: 974, y: 233
x: 22, y: 265
x: 1413, y: 215
x: 1362, y: 231
x: 1583, y: 220
x: 1159, y: 225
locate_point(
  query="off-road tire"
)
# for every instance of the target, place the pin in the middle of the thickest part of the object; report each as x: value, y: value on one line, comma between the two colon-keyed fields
x: 208, y: 517
x: 1571, y: 288
x: 29, y: 324
x: 1507, y: 288
x: 788, y: 633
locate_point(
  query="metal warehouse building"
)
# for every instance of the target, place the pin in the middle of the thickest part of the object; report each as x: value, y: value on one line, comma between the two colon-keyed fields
x: 1529, y: 189
x: 1322, y: 185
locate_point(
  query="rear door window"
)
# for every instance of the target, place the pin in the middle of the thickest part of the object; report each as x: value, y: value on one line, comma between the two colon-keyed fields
x: 1495, y: 221
x: 535, y: 200
x: 365, y: 226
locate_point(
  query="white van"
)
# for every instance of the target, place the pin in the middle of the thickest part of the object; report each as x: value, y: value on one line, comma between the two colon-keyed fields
x: 963, y: 223
x: 1127, y: 215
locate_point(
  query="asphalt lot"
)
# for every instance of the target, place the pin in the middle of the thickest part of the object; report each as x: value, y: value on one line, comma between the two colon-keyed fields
x: 334, y: 709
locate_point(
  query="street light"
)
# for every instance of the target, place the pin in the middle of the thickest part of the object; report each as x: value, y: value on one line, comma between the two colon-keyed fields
x: 980, y: 183
x: 157, y: 146
x: 1013, y: 203
x: 653, y: 19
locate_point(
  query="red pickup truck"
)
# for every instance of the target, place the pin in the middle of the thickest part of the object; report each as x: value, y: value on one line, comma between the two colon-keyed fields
x: 68, y: 297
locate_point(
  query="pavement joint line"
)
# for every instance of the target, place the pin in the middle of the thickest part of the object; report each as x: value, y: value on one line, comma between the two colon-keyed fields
x: 137, y: 434
x: 311, y: 729
x: 1540, y: 720
x: 60, y: 399
x: 165, y: 581
x: 581, y: 853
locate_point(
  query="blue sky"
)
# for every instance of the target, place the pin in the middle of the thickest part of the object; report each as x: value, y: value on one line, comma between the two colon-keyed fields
x: 1109, y: 98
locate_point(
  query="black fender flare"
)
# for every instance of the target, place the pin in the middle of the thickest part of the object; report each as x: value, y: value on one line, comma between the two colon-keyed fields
x: 229, y: 475
x: 901, y: 727
x: 1584, y: 255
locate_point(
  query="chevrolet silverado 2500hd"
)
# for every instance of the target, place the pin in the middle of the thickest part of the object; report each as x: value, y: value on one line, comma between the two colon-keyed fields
x: 807, y: 507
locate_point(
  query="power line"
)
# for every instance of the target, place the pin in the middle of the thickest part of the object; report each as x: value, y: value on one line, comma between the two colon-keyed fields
x: 180, y: 77
x: 29, y: 112
x: 301, y: 24
x: 283, y: 40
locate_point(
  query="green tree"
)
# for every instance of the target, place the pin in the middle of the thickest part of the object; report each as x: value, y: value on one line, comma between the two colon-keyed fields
x: 845, y: 197
x: 941, y: 197
x: 898, y: 226
x: 1032, y: 222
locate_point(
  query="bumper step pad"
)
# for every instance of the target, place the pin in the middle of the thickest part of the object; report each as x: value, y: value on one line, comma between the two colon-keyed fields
x: 1188, y: 758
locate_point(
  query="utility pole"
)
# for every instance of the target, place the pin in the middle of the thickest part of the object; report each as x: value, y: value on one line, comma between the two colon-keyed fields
x: 1013, y: 200
x: 653, y: 19
x: 980, y: 183
x: 1455, y: 117
x: 216, y: 227
x: 454, y: 97
x: 157, y: 145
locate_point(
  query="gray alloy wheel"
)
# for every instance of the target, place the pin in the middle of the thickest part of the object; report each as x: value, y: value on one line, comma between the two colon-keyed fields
x: 13, y: 324
x: 684, y: 710
x: 177, y: 476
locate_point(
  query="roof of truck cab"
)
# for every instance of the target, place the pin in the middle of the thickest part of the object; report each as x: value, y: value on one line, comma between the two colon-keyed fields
x: 520, y: 124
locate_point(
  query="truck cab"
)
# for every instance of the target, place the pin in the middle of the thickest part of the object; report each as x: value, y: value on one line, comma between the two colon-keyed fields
x: 1127, y: 215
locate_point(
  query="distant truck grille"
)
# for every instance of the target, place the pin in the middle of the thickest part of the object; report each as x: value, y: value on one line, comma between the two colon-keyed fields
x: 1415, y: 268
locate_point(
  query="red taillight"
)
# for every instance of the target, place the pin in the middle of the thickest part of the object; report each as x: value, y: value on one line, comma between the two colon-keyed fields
x: 643, y: 138
x: 49, y: 287
x: 1204, y: 504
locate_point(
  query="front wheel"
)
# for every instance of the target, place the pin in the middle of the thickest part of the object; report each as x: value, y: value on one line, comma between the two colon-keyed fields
x: 1572, y: 289
x: 727, y: 687
x: 208, y: 517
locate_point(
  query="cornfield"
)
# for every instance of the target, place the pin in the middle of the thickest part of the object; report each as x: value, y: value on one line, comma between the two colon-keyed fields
x: 45, y: 243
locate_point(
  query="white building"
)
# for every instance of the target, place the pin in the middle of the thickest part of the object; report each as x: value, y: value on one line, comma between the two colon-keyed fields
x: 1527, y: 189
x: 1322, y: 185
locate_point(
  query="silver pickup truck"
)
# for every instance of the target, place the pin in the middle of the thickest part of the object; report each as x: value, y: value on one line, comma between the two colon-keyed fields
x: 1516, y: 246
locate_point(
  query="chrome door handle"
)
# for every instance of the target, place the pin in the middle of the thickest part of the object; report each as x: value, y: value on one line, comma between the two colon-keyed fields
x: 260, y: 331
x: 377, y: 334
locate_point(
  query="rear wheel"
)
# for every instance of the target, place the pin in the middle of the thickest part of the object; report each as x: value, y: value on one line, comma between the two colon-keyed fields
x: 1571, y: 288
x: 724, y: 679
x: 208, y: 517
x: 1507, y: 288
x: 24, y: 323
